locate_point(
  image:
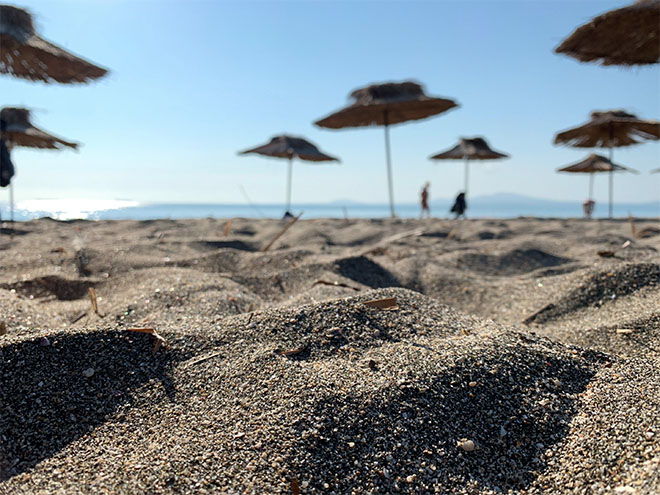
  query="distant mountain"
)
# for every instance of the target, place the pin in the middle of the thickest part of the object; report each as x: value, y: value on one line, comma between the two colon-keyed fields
x: 515, y: 199
x: 520, y: 200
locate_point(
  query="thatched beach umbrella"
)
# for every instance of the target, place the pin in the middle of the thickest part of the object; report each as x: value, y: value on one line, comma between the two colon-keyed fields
x: 610, y: 129
x: 290, y: 147
x: 21, y: 132
x: 384, y: 105
x: 24, y: 54
x: 595, y: 164
x: 625, y: 36
x: 467, y: 149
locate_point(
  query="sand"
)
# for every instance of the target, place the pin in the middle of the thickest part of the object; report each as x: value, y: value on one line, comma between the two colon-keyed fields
x: 516, y: 360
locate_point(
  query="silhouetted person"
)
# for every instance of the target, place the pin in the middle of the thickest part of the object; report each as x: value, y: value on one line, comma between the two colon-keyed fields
x: 588, y: 207
x: 424, y: 198
x: 6, y: 166
x: 460, y: 205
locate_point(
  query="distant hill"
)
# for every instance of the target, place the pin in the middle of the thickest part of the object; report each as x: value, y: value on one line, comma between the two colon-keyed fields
x: 520, y: 200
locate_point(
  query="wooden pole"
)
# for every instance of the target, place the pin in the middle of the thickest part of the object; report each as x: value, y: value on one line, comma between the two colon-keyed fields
x: 389, y: 165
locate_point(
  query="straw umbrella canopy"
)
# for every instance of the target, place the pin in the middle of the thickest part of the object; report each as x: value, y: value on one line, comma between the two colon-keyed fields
x: 610, y: 129
x: 625, y: 36
x: 25, y: 54
x: 290, y: 147
x: 21, y: 132
x: 467, y: 149
x: 594, y: 164
x: 384, y: 105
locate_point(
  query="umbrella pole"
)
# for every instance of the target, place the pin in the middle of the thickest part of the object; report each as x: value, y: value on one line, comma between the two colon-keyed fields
x: 288, y: 186
x: 11, y: 201
x: 467, y: 174
x: 591, y: 185
x: 389, y: 165
x: 611, y: 184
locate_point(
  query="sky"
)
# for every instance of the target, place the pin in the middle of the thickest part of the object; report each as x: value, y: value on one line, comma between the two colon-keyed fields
x: 193, y: 82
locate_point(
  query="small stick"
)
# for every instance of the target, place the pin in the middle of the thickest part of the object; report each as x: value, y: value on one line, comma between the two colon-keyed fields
x: 396, y: 237
x: 335, y: 284
x: 203, y: 358
x: 631, y: 220
x: 531, y: 318
x: 386, y: 303
x: 92, y: 297
x: 281, y: 232
x: 140, y: 330
x: 160, y: 341
x: 79, y: 317
x: 227, y: 227
x: 290, y: 352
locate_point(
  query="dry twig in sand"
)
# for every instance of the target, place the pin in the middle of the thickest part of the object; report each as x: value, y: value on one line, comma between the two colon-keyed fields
x: 227, y: 227
x: 388, y: 240
x: 281, y: 232
x: 645, y: 232
x: 201, y: 359
x: 79, y: 317
x: 612, y: 253
x: 389, y: 303
x: 93, y: 299
x: 290, y: 352
x: 160, y: 341
x: 335, y: 284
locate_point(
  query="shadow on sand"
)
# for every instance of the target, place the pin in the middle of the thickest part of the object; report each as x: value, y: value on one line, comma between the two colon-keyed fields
x: 47, y: 402
x: 347, y: 441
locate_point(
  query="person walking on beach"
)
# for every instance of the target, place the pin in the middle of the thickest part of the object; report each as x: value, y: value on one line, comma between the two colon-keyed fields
x: 460, y: 205
x: 588, y: 207
x: 425, y: 201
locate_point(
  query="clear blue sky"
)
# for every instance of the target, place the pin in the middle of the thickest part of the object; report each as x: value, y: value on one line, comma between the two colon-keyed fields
x: 192, y: 82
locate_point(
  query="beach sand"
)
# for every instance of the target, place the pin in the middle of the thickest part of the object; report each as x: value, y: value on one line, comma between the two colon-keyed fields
x: 516, y: 360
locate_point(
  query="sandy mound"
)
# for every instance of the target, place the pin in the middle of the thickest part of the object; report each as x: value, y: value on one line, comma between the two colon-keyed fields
x: 601, y: 288
x: 278, y: 375
x: 336, y: 395
x: 514, y: 262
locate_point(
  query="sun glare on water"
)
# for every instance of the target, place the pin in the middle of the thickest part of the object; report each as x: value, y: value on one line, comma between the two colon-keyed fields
x: 69, y: 209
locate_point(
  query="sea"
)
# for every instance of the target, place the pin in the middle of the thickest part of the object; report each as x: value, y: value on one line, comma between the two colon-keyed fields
x: 495, y: 206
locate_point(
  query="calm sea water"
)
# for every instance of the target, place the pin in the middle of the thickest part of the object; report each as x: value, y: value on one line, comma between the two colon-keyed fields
x: 485, y: 207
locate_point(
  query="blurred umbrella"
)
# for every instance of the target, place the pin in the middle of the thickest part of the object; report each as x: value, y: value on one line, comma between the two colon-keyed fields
x: 24, y: 54
x: 21, y: 132
x: 625, y: 36
x: 470, y: 149
x: 610, y: 129
x: 291, y: 147
x: 594, y: 164
x: 384, y: 105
